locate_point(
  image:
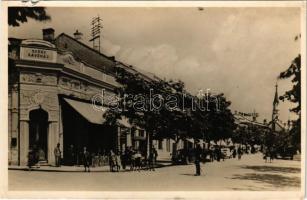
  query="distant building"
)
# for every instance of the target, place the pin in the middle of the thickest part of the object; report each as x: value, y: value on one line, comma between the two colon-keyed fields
x: 276, y: 124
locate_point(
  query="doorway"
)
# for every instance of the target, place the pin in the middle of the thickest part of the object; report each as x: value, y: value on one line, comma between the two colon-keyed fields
x: 38, y: 133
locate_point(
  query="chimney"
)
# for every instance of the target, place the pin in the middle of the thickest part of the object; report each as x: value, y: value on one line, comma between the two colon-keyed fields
x: 48, y: 34
x: 78, y: 35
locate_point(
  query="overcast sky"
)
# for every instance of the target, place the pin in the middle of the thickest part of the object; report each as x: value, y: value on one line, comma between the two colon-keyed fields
x: 237, y: 51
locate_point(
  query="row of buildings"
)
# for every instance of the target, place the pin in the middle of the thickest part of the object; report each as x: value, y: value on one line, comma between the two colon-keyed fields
x: 52, y: 82
x: 51, y: 85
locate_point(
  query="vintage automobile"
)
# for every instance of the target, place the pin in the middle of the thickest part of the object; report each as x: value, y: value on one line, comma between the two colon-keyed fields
x: 285, y: 152
x: 183, y: 156
x: 179, y: 157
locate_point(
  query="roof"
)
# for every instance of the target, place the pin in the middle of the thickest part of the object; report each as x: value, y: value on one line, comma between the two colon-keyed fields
x: 85, y: 53
x: 133, y: 69
x: 278, y: 126
x: 239, y: 119
x: 15, y: 41
x: 88, y: 55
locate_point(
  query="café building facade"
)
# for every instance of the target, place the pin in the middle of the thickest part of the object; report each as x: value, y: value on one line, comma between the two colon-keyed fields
x: 52, y: 84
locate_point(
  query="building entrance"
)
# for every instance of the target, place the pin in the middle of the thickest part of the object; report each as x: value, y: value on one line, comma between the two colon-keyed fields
x: 38, y: 131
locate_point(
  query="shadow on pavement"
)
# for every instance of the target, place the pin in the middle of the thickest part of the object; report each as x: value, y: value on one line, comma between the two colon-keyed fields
x: 272, y: 179
x: 93, y: 169
x: 192, y: 175
x: 265, y: 168
x: 188, y: 174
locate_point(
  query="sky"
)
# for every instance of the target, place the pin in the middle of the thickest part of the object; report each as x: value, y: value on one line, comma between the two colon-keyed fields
x: 235, y: 51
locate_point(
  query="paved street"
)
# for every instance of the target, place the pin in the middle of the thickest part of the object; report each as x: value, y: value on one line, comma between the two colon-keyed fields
x: 250, y: 173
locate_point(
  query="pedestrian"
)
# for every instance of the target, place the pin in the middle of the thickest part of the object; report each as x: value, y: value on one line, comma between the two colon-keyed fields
x: 57, y: 154
x: 31, y: 158
x: 100, y: 160
x: 138, y: 159
x: 234, y: 153
x: 155, y: 156
x: 117, y: 161
x: 41, y: 155
x: 222, y: 155
x: 86, y: 159
x: 211, y: 155
x: 123, y: 158
x: 105, y: 158
x: 272, y: 154
x: 71, y: 155
x: 94, y: 160
x: 112, y: 160
x: 151, y: 160
x: 239, y: 153
x: 265, y: 155
x: 197, y: 154
x: 217, y: 153
x: 132, y: 159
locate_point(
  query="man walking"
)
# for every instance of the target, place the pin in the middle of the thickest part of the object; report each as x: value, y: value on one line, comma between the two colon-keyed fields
x: 240, y: 152
x: 71, y: 155
x: 86, y: 159
x: 198, y: 152
x: 151, y: 160
x: 57, y: 154
x: 155, y: 156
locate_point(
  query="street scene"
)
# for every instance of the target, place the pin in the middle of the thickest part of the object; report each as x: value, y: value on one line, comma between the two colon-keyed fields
x: 143, y: 99
x: 250, y: 173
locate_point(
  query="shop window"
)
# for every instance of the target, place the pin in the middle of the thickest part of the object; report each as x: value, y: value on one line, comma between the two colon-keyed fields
x: 160, y: 146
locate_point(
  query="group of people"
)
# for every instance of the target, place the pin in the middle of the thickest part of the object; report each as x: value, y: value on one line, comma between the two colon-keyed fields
x: 269, y: 154
x: 116, y: 160
x: 134, y: 159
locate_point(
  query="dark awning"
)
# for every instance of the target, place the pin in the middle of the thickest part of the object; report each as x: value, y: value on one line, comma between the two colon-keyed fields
x: 93, y: 114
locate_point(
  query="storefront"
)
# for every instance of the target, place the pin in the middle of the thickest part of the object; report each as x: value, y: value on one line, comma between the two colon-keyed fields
x: 50, y: 99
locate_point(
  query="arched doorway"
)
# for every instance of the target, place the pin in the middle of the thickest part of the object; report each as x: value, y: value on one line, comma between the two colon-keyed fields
x: 38, y: 133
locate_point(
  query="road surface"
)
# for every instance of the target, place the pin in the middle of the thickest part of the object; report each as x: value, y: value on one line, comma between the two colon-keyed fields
x: 250, y: 173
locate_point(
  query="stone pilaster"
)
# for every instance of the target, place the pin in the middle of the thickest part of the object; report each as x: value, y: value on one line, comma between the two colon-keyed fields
x: 118, y: 138
x: 24, y: 142
x: 129, y: 138
x: 53, y: 139
x: 60, y: 126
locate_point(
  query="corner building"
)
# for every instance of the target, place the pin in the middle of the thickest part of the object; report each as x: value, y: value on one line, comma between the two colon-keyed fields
x: 51, y: 84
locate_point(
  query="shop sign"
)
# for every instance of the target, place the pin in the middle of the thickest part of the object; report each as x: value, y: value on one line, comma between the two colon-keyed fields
x: 38, y: 54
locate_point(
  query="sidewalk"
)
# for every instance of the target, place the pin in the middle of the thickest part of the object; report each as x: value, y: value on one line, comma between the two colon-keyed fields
x: 63, y: 168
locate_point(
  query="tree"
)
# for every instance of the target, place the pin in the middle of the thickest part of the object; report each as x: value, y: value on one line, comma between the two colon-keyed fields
x: 137, y: 95
x: 177, y: 118
x: 17, y: 15
x: 294, y: 96
x: 220, y: 120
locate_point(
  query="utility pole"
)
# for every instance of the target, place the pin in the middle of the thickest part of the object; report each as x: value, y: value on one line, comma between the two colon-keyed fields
x: 95, y: 32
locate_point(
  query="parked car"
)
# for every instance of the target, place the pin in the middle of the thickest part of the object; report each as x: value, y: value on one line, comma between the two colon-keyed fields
x: 179, y: 157
x: 285, y: 153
